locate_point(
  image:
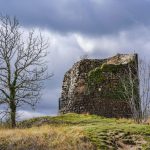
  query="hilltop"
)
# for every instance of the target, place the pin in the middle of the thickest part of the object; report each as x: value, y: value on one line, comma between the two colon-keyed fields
x: 76, y: 132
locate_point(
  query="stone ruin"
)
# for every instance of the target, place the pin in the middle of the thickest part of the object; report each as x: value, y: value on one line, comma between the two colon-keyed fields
x: 81, y: 95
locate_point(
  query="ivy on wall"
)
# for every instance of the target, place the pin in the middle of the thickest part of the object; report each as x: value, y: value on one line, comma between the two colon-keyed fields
x: 98, y: 74
x: 100, y: 79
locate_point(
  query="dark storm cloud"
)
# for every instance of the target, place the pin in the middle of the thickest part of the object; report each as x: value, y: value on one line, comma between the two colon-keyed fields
x: 84, y: 16
x: 116, y: 26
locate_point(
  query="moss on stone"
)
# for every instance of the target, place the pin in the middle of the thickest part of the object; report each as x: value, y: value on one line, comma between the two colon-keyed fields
x: 97, y: 75
x: 111, y: 68
x: 100, y: 75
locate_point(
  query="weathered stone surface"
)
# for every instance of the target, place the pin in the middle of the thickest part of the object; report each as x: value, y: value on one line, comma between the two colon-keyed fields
x: 76, y: 96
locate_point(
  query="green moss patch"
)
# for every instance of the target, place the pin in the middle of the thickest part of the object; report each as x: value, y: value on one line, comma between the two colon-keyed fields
x: 97, y: 75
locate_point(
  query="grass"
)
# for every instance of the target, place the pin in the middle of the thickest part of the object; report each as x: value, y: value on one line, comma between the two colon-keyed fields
x: 76, y: 132
x: 44, y: 138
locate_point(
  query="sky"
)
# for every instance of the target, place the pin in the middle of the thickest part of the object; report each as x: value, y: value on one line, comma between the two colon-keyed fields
x: 97, y: 28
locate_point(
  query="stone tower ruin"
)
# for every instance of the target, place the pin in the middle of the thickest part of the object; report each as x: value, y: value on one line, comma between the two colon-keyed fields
x: 92, y: 86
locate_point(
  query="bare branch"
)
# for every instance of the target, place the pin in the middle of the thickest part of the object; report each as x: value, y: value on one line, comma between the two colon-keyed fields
x: 22, y: 66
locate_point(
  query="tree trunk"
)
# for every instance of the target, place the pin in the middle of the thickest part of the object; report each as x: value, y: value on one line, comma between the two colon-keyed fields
x: 13, y: 114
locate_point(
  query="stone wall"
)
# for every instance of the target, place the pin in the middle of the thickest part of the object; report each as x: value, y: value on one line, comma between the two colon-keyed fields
x: 80, y: 96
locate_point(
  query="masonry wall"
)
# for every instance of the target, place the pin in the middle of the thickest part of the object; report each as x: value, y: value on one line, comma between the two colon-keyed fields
x: 78, y: 97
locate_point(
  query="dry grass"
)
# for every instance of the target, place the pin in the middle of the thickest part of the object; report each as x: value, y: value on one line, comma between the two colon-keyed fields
x: 76, y: 132
x: 44, y: 138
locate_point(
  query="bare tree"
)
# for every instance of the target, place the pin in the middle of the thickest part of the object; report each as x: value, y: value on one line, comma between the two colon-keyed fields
x: 136, y: 89
x: 144, y: 76
x: 130, y: 90
x: 22, y: 66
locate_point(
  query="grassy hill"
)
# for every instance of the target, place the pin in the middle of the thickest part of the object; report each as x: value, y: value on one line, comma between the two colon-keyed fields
x: 76, y: 132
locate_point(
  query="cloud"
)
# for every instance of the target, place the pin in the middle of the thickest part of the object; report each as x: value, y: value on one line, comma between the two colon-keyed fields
x: 126, y: 41
x: 22, y: 114
x: 92, y: 17
x: 98, y: 28
x: 66, y: 49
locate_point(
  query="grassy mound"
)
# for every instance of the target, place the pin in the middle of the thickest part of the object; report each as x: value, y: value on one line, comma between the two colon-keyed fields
x: 76, y: 132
